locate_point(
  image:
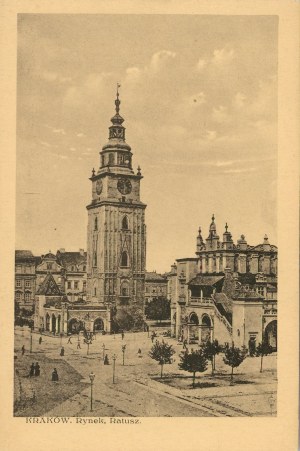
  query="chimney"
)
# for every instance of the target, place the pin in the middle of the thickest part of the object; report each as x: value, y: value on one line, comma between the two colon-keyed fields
x: 81, y: 251
x: 62, y: 250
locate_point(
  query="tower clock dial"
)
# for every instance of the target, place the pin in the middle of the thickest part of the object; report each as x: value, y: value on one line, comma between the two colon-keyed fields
x: 124, y: 186
x: 99, y: 187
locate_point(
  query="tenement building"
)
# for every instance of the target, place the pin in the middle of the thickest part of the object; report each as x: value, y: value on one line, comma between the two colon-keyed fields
x: 116, y: 247
x: 227, y: 292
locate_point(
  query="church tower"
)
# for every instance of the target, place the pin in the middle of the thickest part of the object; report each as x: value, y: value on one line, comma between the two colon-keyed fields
x: 116, y: 235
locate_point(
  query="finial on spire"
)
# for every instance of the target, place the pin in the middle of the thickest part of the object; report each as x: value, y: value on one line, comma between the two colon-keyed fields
x: 213, y: 218
x: 93, y: 172
x: 199, y: 231
x: 117, y: 101
x: 138, y: 170
x: 226, y: 227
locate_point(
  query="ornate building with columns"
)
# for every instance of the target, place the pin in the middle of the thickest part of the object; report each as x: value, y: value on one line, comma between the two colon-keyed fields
x: 227, y: 292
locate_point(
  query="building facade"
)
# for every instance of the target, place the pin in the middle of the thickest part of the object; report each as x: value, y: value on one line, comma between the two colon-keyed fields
x: 228, y: 292
x: 25, y: 278
x: 156, y: 286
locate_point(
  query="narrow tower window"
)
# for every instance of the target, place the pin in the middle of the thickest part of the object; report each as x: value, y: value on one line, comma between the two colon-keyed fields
x: 111, y: 159
x: 96, y: 224
x: 125, y: 223
x: 124, y: 260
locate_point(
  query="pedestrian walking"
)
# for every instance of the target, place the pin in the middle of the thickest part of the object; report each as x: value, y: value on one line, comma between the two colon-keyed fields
x: 69, y: 340
x: 37, y: 369
x: 123, y: 334
x: 184, y: 344
x: 62, y: 351
x: 31, y: 372
x: 54, y: 375
x: 139, y: 352
x: 40, y: 340
x: 23, y: 350
x: 78, y: 344
x: 106, y: 361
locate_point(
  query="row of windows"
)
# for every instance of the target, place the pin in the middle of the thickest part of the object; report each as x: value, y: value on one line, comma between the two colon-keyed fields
x: 25, y: 269
x: 76, y: 285
x: 125, y: 225
x: 27, y: 283
x: 124, y: 259
x: 27, y: 296
x: 155, y: 290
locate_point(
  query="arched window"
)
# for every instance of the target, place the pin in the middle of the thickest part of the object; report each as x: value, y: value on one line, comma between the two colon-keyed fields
x: 124, y: 288
x: 95, y: 259
x: 124, y: 259
x: 96, y: 224
x: 125, y: 223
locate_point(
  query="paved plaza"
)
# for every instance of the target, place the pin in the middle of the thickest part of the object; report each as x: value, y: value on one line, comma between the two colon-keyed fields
x: 137, y: 390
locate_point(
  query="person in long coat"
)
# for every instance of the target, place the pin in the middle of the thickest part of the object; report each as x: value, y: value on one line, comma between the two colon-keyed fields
x: 62, y: 351
x: 37, y: 369
x: 54, y: 375
x: 31, y: 372
x: 106, y: 361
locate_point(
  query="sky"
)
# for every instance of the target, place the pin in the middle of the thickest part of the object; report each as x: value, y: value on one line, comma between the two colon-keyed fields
x: 199, y: 99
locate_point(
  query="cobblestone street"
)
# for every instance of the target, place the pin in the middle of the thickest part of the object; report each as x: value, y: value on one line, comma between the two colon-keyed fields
x: 137, y: 390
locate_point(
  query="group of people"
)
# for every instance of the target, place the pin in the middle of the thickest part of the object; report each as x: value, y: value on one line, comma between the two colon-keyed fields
x: 35, y: 370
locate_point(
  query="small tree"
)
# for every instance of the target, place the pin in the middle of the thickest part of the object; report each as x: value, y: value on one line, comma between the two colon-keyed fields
x: 233, y: 358
x: 162, y: 353
x: 210, y: 350
x: 158, y: 309
x: 263, y: 349
x: 194, y: 362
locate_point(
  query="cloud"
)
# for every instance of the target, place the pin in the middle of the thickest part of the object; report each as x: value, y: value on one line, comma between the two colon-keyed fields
x: 160, y: 59
x: 239, y: 100
x: 45, y: 143
x: 80, y: 135
x: 202, y: 63
x: 220, y: 114
x: 54, y: 77
x: 222, y: 56
x: 59, y: 131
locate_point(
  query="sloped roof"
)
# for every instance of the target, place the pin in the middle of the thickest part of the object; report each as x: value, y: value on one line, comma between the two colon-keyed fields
x: 23, y: 254
x: 154, y: 276
x: 49, y: 287
x: 205, y: 280
x: 69, y: 258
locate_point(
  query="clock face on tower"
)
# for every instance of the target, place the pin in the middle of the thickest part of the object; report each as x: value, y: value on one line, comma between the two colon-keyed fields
x: 124, y: 186
x: 99, y: 187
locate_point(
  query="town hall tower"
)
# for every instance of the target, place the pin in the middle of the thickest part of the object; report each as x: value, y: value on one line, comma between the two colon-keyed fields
x: 116, y: 235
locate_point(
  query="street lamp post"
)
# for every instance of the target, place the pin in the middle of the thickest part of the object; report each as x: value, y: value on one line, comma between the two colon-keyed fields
x: 30, y: 340
x: 114, y: 357
x: 92, y: 377
x: 103, y: 347
x: 263, y: 320
x: 123, y: 350
x: 61, y: 336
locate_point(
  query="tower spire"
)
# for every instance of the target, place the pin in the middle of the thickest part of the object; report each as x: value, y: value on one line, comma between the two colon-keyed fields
x: 117, y: 101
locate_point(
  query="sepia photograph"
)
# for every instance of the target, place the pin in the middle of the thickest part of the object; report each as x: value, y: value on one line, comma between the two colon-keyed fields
x: 146, y: 217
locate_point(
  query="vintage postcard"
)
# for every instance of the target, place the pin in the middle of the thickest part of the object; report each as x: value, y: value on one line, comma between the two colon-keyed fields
x: 152, y: 254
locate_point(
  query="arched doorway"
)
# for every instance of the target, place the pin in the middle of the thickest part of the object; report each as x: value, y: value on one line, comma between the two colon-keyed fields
x: 271, y: 334
x: 98, y: 325
x: 193, y: 327
x: 75, y: 326
x: 206, y: 328
x: 47, y: 322
x: 53, y: 324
